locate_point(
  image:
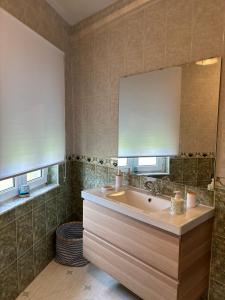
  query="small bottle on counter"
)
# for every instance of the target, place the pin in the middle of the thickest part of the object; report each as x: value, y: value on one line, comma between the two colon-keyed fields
x: 177, y: 204
x: 191, y: 199
x: 119, y: 180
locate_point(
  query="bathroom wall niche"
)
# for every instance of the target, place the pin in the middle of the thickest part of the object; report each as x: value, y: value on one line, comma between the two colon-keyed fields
x: 172, y: 113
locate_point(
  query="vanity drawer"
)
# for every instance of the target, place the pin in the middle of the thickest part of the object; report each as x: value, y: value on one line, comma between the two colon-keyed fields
x: 144, y: 242
x: 132, y: 273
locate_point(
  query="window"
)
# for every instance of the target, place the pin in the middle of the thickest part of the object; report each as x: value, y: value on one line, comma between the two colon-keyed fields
x: 151, y: 165
x: 34, y: 175
x: 6, y: 184
x: 9, y: 187
x: 122, y: 162
x: 146, y: 161
x: 145, y: 165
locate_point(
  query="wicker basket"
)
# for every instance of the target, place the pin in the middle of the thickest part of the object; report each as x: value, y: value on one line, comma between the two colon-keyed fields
x: 69, y: 245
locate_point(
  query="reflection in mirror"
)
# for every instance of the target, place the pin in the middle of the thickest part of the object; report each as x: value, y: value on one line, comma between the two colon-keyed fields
x: 168, y: 122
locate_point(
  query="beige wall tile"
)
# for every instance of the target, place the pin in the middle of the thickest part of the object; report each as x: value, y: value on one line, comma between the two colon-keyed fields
x: 117, y: 39
x: 207, y: 28
x: 154, y: 35
x: 134, y: 43
x: 179, y: 21
x: 161, y: 33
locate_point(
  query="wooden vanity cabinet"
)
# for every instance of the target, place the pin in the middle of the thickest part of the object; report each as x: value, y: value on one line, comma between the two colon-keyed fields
x: 152, y: 263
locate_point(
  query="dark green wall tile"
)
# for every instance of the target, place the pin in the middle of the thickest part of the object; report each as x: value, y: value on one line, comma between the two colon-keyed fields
x: 7, y: 217
x: 61, y: 209
x: 205, y: 169
x: 168, y: 188
x: 38, y: 201
x: 101, y: 176
x: 23, y: 209
x: 143, y: 180
x: 23, y: 236
x: 190, y: 170
x: 39, y: 222
x: 50, y: 243
x: 51, y: 214
x: 25, y: 270
x: 176, y: 169
x: 77, y: 174
x: 112, y: 175
x: 69, y: 206
x: 218, y: 259
x: 78, y: 209
x: 40, y: 256
x: 220, y: 213
x: 8, y: 252
x: 9, y: 283
x: 216, y: 291
x: 134, y: 181
x: 24, y: 233
x: 89, y: 176
x: 51, y: 194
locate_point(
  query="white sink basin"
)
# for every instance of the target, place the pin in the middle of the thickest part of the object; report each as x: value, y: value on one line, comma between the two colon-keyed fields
x: 139, y: 200
x: 155, y: 212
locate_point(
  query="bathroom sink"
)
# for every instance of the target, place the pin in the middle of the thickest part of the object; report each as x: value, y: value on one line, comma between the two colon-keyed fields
x: 153, y: 210
x: 139, y: 200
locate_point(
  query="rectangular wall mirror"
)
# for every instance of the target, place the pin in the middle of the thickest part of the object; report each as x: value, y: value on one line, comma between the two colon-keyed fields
x: 168, y: 122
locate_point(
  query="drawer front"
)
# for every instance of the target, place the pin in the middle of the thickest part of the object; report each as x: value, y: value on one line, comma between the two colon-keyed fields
x: 144, y: 242
x: 141, y: 279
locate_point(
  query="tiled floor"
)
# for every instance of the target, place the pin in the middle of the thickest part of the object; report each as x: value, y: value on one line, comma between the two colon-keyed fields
x: 57, y: 282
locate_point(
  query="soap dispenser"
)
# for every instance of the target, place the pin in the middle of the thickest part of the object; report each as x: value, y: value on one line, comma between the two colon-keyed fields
x: 119, y: 180
x: 177, y: 204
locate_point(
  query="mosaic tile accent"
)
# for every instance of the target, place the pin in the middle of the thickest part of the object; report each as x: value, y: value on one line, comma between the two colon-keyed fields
x: 190, y: 169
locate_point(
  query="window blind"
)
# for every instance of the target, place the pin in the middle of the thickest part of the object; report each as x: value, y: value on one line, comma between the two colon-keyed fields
x: 32, y: 99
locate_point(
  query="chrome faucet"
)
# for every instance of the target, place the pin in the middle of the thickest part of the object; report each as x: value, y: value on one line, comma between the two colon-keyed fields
x: 152, y: 187
x: 156, y: 187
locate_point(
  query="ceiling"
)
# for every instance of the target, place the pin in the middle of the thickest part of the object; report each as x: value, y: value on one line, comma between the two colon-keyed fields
x: 73, y: 11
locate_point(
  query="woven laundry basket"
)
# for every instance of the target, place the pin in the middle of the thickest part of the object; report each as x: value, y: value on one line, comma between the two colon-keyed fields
x: 69, y: 245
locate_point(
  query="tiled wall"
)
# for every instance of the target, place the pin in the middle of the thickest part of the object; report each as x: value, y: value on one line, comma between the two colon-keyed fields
x: 27, y: 237
x: 159, y: 34
x: 27, y: 232
x: 192, y: 171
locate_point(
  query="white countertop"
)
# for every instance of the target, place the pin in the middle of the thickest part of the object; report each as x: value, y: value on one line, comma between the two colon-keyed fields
x: 176, y: 224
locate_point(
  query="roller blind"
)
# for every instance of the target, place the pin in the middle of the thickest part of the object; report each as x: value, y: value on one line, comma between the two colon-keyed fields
x: 32, y: 99
x: 149, y: 114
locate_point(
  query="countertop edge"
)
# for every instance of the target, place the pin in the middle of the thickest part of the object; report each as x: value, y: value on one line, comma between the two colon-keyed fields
x: 142, y: 217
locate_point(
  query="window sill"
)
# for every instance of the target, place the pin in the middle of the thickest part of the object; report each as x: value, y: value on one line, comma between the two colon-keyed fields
x: 12, y: 203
